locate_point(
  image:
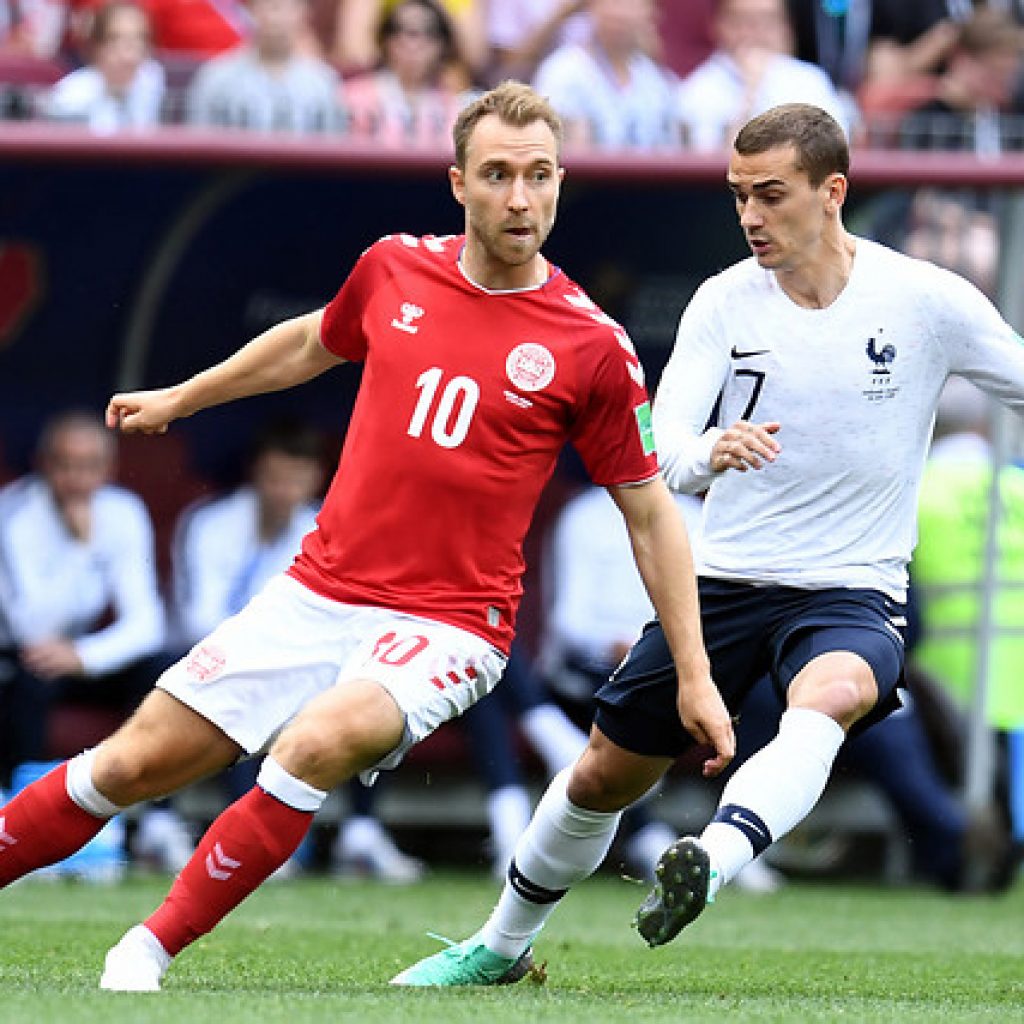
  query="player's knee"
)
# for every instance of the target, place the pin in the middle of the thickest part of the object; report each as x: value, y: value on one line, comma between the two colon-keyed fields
x: 845, y: 699
x: 323, y: 757
x: 307, y: 752
x: 595, y: 786
x: 125, y: 774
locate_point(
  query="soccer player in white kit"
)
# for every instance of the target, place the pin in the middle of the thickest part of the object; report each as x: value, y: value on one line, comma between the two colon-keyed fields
x: 829, y: 353
x: 481, y: 360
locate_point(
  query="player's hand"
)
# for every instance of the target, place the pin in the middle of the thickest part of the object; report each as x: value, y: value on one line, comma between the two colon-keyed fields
x: 745, y: 446
x: 706, y: 718
x: 142, y: 412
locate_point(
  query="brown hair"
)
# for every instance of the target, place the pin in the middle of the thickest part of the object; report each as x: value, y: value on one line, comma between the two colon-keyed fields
x: 515, y: 104
x: 442, y: 26
x: 820, y: 144
x: 989, y: 31
x: 103, y: 18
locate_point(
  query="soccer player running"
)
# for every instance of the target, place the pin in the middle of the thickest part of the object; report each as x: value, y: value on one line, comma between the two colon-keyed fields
x: 829, y: 352
x: 481, y: 361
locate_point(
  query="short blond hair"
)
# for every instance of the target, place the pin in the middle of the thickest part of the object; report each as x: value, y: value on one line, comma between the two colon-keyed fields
x: 515, y: 104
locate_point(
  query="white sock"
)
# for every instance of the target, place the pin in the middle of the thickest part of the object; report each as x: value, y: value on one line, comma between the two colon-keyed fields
x: 551, y: 733
x: 81, y: 789
x: 562, y: 845
x: 773, y: 791
x: 508, y: 812
x: 287, y: 788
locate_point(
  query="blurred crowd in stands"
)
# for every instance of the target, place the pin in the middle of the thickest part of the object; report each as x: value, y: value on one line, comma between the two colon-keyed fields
x: 625, y: 74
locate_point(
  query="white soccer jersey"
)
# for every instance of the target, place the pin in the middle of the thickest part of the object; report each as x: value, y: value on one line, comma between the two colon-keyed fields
x: 854, y: 387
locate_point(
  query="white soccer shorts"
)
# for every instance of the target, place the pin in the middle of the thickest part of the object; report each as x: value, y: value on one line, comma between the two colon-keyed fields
x: 256, y: 670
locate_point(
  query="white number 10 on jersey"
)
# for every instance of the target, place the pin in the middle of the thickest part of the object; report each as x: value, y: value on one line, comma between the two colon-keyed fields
x: 453, y: 410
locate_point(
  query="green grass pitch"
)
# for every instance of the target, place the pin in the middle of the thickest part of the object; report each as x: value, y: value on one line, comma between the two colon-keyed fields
x: 320, y: 950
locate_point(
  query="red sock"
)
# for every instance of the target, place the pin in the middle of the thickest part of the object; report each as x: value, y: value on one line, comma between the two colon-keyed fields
x: 240, y: 850
x: 41, y: 826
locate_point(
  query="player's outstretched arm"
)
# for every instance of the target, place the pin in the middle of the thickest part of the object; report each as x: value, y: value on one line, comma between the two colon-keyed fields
x: 662, y: 553
x: 287, y: 354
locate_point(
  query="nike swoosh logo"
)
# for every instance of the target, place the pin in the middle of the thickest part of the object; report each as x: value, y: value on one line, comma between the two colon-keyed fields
x: 737, y: 354
x: 742, y: 819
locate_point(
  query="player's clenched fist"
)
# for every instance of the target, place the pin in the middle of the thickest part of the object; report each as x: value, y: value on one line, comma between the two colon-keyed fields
x: 142, y: 412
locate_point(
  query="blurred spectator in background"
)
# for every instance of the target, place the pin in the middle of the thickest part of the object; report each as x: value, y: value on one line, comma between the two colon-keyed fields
x: 357, y: 45
x: 121, y: 86
x: 876, y: 50
x: 949, y: 568
x: 271, y: 82
x: 521, y: 33
x: 750, y: 71
x: 32, y: 28
x: 972, y: 106
x: 225, y: 550
x: 406, y: 100
x: 968, y: 101
x: 684, y: 34
x: 597, y: 609
x: 911, y: 37
x: 81, y: 617
x: 608, y: 90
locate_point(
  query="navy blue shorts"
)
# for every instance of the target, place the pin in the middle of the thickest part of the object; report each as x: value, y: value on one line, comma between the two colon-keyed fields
x: 750, y: 632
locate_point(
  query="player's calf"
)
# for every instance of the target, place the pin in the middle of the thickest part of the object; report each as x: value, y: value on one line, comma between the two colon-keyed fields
x: 42, y: 825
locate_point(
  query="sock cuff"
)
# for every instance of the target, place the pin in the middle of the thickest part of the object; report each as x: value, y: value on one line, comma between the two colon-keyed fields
x: 291, y: 791
x: 819, y: 734
x: 81, y: 790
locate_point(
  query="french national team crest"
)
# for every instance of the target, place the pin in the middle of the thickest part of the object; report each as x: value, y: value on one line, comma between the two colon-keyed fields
x: 530, y: 366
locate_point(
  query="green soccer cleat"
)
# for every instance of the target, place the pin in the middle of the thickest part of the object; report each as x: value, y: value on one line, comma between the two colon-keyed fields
x: 683, y: 875
x: 466, y: 963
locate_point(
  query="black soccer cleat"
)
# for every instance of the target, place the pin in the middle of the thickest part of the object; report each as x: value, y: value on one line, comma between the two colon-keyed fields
x: 680, y: 894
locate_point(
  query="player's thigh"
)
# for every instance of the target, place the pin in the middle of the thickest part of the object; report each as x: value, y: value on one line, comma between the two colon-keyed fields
x: 849, y: 672
x: 637, y: 708
x: 344, y: 730
x: 259, y: 668
x: 432, y: 671
x: 163, y: 746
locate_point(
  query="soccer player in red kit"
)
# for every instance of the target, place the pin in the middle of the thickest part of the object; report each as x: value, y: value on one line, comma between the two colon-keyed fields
x: 481, y: 360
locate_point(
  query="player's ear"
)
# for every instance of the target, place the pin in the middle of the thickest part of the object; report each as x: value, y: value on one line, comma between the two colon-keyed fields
x: 837, y: 187
x: 457, y: 180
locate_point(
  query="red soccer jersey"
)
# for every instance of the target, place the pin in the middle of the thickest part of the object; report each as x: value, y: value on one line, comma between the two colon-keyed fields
x: 466, y: 400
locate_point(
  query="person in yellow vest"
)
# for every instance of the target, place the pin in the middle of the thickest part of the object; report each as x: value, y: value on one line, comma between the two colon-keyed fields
x: 948, y: 568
